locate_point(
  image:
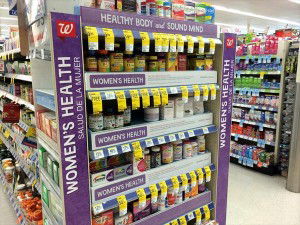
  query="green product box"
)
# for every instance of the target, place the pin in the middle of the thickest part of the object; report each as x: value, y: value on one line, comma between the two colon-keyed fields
x: 50, y: 166
x: 56, y: 172
x: 45, y: 194
x: 43, y: 157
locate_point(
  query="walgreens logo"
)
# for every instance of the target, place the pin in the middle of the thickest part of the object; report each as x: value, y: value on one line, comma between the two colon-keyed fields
x: 230, y: 42
x: 65, y: 29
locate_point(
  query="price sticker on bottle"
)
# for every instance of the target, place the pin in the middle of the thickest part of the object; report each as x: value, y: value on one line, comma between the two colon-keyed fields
x: 156, y: 97
x: 164, y: 96
x: 137, y: 150
x: 145, y: 98
x: 180, y: 43
x: 96, y: 99
x: 173, y: 47
x: 201, y: 45
x: 206, y: 212
x: 109, y: 39
x: 135, y: 99
x: 193, y: 178
x: 184, y: 181
x: 154, y: 193
x: 145, y: 41
x: 163, y: 189
x: 191, y: 43
x: 175, y: 183
x: 205, y: 92
x: 129, y: 40
x: 121, y: 99
x: 196, y: 92
x: 165, y: 42
x: 207, y: 174
x: 182, y: 220
x: 93, y: 39
x: 122, y: 201
x: 185, y: 93
x: 212, y: 46
x: 158, y: 42
x: 213, y: 91
x: 198, y: 216
x: 200, y: 176
x: 142, y: 197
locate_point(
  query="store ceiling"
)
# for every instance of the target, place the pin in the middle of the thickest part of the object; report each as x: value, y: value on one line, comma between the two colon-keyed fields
x: 280, y: 9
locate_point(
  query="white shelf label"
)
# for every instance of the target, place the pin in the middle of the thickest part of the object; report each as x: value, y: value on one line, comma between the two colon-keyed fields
x: 191, y: 133
x: 149, y: 143
x: 174, y: 90
x: 125, y: 148
x: 161, y: 140
x: 98, y: 208
x: 205, y: 130
x: 110, y: 95
x: 172, y: 137
x: 181, y: 135
x: 112, y: 151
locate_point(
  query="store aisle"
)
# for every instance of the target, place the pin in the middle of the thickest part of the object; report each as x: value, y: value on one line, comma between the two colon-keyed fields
x: 258, y: 199
x: 7, y: 214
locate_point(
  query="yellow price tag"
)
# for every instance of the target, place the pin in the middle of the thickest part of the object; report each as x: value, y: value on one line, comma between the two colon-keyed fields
x: 191, y: 44
x: 142, y: 197
x: 121, y: 99
x: 1, y: 142
x: 129, y: 40
x: 175, y: 183
x: 163, y: 189
x: 205, y: 92
x: 213, y: 91
x: 164, y: 96
x: 156, y: 97
x: 200, y: 176
x: 184, y: 181
x: 207, y: 174
x: 201, y: 45
x: 137, y: 150
x: 206, y: 212
x: 153, y: 191
x: 7, y: 133
x: 122, y: 201
x: 196, y: 92
x: 135, y: 99
x: 185, y: 93
x: 173, y: 43
x: 158, y: 42
x: 92, y: 37
x: 262, y: 75
x: 165, y: 42
x: 145, y: 41
x: 96, y: 99
x: 109, y: 39
x: 193, y: 178
x: 182, y: 220
x: 198, y: 215
x: 212, y: 46
x: 174, y: 222
x: 180, y: 43
x: 145, y: 98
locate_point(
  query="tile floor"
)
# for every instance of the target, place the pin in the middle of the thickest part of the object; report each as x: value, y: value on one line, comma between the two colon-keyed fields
x: 253, y: 199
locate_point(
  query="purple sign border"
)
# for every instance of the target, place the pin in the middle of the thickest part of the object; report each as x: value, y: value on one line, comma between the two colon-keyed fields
x: 92, y: 17
x: 77, y: 201
x: 228, y: 68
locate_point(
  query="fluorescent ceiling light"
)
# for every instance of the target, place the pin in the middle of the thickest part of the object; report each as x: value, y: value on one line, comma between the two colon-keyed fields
x: 239, y: 26
x: 295, y: 1
x: 8, y: 25
x: 8, y: 18
x: 4, y: 8
x: 236, y: 11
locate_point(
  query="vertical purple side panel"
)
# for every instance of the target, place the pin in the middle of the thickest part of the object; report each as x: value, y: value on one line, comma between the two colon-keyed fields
x: 229, y: 48
x: 70, y: 100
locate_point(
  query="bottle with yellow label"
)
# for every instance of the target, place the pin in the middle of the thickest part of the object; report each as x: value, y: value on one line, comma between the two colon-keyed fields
x: 128, y: 61
x: 161, y: 62
x: 103, y: 61
x: 171, y: 61
x: 153, y: 63
x: 117, y: 60
x: 139, y: 61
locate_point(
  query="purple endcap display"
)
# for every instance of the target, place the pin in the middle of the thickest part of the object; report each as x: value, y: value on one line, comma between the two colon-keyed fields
x: 120, y: 20
x: 229, y: 48
x: 70, y: 102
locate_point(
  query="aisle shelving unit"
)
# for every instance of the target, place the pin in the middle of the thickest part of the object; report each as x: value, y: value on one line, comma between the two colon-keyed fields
x: 77, y: 201
x: 250, y: 111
